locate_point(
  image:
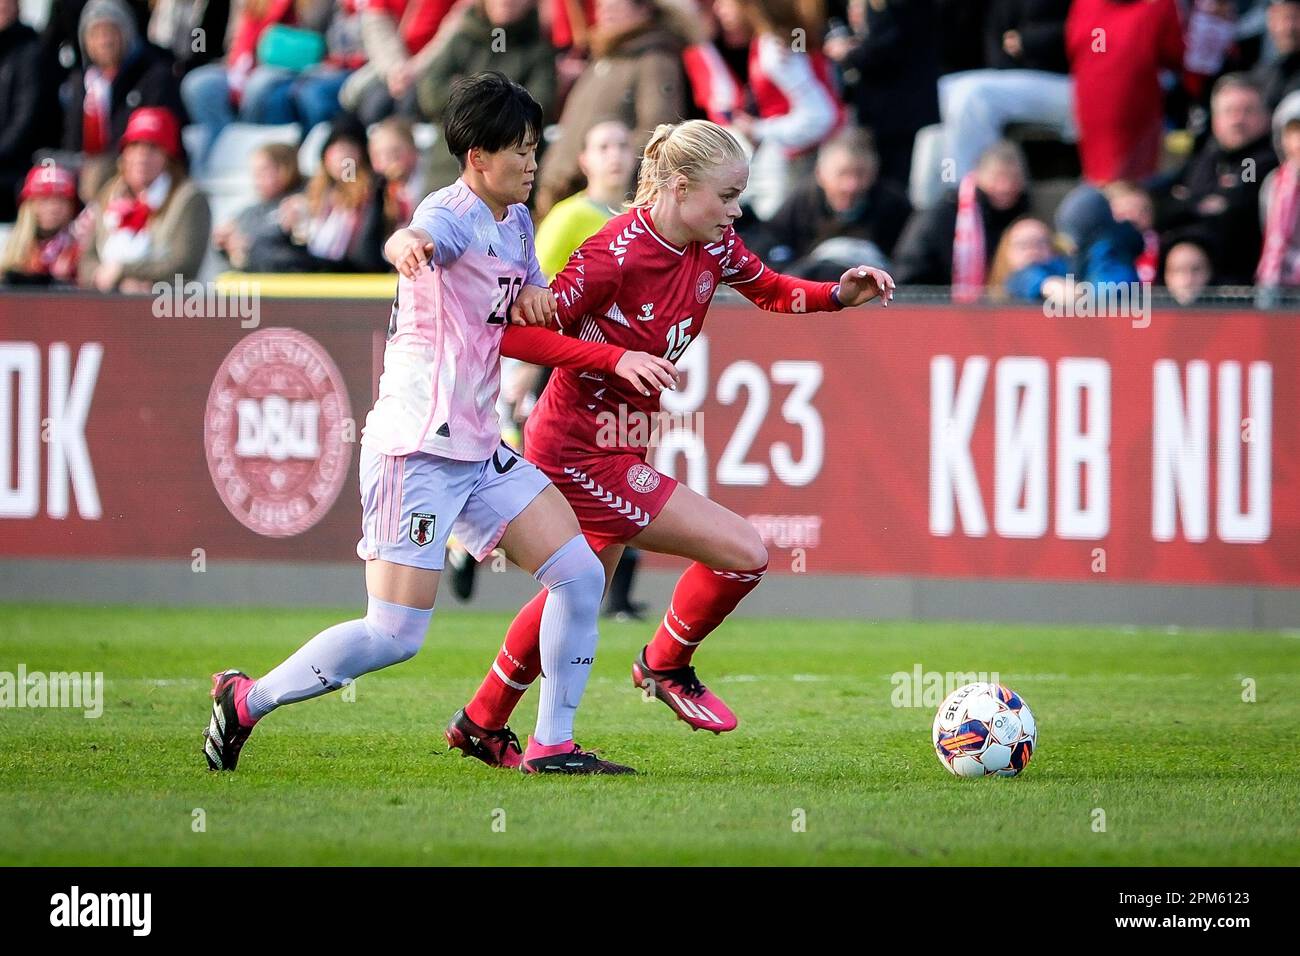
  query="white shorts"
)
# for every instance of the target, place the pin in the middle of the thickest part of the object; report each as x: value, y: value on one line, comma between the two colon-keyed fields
x: 410, y: 504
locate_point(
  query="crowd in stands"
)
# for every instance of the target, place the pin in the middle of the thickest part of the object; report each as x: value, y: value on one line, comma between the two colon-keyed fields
x: 996, y: 147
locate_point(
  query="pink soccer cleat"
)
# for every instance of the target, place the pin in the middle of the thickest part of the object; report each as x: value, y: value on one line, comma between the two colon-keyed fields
x: 682, y: 691
x: 496, y: 748
x: 230, y: 724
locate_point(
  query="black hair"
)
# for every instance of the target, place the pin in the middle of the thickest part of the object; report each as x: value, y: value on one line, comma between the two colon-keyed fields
x: 489, y: 111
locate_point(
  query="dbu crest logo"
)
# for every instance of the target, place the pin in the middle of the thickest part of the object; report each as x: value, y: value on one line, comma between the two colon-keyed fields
x: 642, y: 478
x: 422, y: 528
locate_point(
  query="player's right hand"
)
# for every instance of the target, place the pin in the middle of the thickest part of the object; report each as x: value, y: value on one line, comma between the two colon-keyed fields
x: 411, y: 254
x: 646, y: 372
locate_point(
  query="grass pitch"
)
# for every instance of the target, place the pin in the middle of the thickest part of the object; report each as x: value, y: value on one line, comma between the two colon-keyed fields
x: 1144, y: 733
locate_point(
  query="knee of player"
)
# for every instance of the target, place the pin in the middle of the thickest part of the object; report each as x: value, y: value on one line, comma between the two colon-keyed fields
x: 404, y: 626
x: 751, y: 553
x: 589, y: 572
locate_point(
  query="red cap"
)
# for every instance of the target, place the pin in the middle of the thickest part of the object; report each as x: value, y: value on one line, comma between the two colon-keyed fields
x: 48, y: 179
x: 157, y: 125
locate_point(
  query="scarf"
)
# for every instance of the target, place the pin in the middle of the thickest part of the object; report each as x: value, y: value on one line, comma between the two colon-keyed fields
x: 127, y: 220
x: 331, y: 234
x: 1279, y: 231
x: 968, y: 260
x: 1148, y: 261
x: 55, y: 256
x: 95, y: 132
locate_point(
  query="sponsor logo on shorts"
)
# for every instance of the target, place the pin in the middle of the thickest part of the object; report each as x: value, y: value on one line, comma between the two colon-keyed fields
x: 273, y: 432
x: 641, y: 477
x: 422, y: 528
x: 704, y: 287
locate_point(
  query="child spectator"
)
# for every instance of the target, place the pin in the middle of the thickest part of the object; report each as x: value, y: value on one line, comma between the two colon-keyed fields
x: 607, y: 163
x: 1188, y: 272
x: 1100, y: 249
x: 42, y: 249
x: 1025, y: 259
x: 275, y: 178
x: 1130, y: 203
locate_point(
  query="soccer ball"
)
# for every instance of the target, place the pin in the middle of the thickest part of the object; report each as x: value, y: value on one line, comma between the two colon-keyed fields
x: 984, y: 729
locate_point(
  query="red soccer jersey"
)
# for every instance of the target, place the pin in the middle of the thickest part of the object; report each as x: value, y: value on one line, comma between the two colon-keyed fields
x: 630, y: 287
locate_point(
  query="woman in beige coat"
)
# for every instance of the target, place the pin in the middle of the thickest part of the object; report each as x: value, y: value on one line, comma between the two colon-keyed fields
x: 150, y: 223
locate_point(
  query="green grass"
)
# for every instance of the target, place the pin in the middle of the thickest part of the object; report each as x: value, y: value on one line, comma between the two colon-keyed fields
x: 1146, y: 725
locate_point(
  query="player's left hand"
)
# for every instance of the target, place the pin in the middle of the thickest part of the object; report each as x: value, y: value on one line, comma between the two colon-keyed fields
x: 534, y: 305
x: 863, y: 283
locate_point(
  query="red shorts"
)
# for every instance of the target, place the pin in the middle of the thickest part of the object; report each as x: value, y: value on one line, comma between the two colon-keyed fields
x: 614, y: 496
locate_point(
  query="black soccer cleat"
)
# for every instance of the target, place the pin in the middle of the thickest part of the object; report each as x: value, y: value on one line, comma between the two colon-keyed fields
x: 496, y: 748
x: 577, y: 761
x: 225, y: 735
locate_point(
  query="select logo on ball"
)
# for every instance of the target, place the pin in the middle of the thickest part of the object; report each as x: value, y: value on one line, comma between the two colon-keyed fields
x: 273, y: 432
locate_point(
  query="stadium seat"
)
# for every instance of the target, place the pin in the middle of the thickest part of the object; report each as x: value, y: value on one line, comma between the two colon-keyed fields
x: 231, y: 153
x: 309, y: 151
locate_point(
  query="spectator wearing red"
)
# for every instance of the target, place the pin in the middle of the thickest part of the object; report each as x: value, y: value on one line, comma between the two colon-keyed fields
x: 150, y: 222
x: 795, y: 95
x: 42, y: 249
x: 1117, y: 49
x: 122, y: 73
x: 1279, y: 204
x: 240, y: 87
x: 401, y: 38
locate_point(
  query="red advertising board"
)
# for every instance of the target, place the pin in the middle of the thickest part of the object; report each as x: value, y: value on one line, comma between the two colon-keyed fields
x: 910, y: 441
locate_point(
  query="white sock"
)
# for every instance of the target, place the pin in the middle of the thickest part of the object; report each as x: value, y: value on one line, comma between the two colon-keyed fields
x: 388, y: 634
x: 575, y: 581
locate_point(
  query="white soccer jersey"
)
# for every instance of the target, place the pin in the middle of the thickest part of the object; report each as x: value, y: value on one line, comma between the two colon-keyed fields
x: 442, y: 363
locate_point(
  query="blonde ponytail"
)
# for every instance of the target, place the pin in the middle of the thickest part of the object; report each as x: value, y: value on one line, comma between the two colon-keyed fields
x: 691, y: 148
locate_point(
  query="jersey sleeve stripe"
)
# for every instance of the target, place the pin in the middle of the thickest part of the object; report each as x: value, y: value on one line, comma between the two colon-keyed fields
x: 761, y: 269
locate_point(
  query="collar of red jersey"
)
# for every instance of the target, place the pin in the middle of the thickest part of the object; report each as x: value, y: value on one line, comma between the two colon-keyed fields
x: 643, y: 214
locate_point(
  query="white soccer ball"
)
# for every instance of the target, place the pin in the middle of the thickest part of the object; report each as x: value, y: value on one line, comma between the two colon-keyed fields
x: 984, y: 729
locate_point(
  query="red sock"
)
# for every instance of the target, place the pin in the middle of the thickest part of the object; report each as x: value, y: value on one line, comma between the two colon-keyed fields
x: 518, y: 662
x: 701, y: 601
